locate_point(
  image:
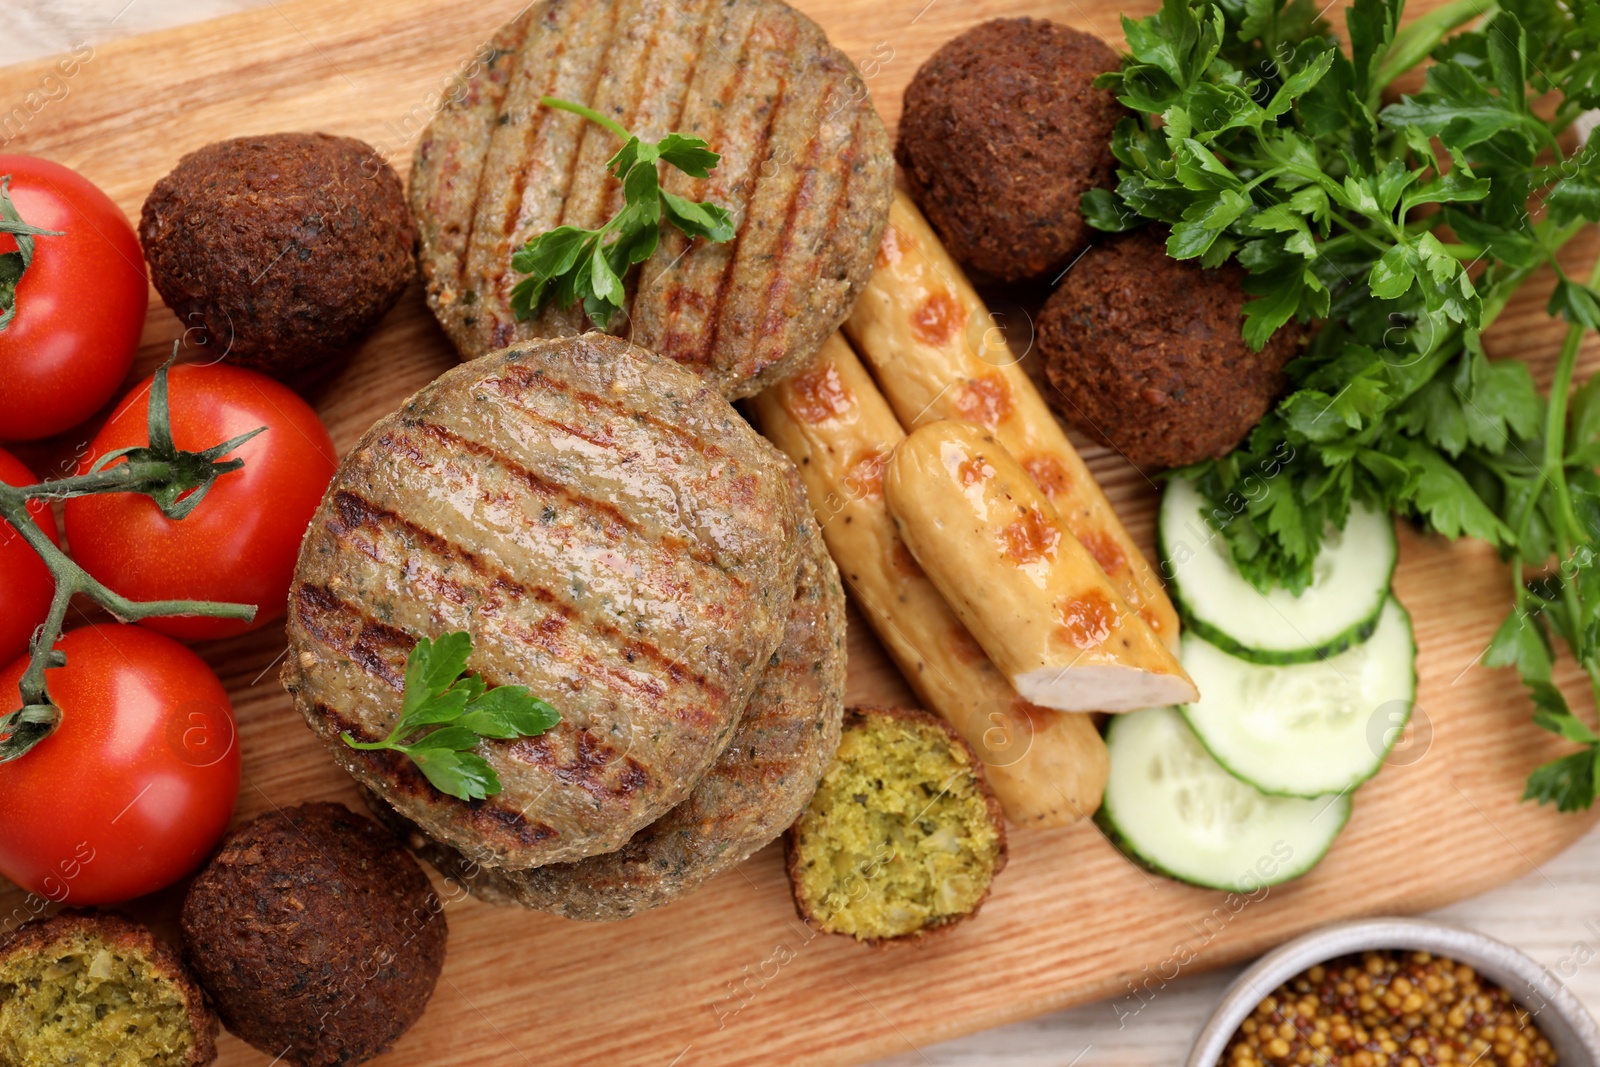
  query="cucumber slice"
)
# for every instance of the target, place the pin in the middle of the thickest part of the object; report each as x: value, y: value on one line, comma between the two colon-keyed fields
x: 1305, y: 729
x: 1171, y: 807
x: 1217, y: 602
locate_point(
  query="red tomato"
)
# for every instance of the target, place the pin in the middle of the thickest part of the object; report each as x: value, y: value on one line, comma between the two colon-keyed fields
x: 137, y: 783
x: 80, y: 306
x: 25, y: 582
x: 240, y: 544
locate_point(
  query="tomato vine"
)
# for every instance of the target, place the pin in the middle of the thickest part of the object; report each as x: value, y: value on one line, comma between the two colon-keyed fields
x: 176, y: 481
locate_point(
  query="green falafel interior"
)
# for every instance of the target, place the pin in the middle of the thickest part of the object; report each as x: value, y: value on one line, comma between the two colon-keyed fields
x: 85, y: 998
x: 902, y: 834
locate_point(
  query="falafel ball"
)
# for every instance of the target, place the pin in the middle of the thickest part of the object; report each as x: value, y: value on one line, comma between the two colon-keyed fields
x: 89, y: 987
x: 903, y: 835
x: 1145, y: 353
x: 280, y: 250
x: 1003, y: 132
x: 316, y: 934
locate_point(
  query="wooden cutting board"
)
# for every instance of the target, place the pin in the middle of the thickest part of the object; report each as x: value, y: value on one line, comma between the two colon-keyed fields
x: 730, y: 976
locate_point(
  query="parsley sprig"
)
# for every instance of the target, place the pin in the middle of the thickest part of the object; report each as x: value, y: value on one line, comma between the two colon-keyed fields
x: 569, y: 264
x: 458, y: 711
x: 1403, y: 231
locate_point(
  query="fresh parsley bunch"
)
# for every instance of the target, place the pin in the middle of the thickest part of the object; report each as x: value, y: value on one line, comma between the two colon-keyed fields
x: 458, y: 711
x: 1402, y: 231
x: 569, y: 264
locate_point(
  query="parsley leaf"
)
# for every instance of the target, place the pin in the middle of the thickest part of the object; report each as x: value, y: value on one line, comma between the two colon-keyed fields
x: 1398, y: 233
x: 568, y: 265
x: 1568, y: 782
x: 438, y: 693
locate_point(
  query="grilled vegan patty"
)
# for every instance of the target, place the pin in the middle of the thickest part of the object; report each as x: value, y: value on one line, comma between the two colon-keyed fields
x: 807, y: 171
x: 758, y: 785
x: 612, y: 535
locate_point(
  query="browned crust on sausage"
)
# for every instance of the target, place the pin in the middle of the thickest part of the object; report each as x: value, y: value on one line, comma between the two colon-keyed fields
x: 37, y: 937
x: 858, y: 716
x: 807, y: 171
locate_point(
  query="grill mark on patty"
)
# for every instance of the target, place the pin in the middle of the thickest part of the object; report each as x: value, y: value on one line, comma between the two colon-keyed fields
x: 320, y: 610
x: 598, y: 437
x: 537, y: 482
x: 520, y: 31
x: 596, y: 667
x: 697, y: 352
x: 403, y: 776
x: 355, y: 511
x: 523, y: 378
x: 689, y: 73
x: 547, y: 117
x: 368, y: 642
x: 799, y: 197
x: 591, y: 758
x: 685, y: 543
x: 516, y: 149
x: 586, y: 127
x: 840, y: 201
x: 680, y: 258
x: 778, y: 282
x: 685, y: 87
x: 614, y: 198
x: 717, y: 319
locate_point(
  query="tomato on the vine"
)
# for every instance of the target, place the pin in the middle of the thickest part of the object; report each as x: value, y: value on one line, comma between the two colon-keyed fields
x: 25, y: 582
x: 240, y: 543
x: 139, y: 779
x: 78, y: 308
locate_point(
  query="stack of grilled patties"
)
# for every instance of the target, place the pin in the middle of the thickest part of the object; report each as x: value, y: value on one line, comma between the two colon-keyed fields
x: 615, y: 537
x: 609, y: 530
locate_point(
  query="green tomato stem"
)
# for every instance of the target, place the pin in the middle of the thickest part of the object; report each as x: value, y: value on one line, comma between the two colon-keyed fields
x: 123, y: 478
x: 38, y: 714
x: 12, y: 223
x: 72, y: 579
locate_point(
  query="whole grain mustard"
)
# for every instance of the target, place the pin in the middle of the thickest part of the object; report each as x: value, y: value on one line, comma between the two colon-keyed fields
x: 1389, y: 1009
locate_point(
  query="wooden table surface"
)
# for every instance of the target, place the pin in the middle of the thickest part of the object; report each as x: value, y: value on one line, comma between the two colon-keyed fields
x: 1552, y: 912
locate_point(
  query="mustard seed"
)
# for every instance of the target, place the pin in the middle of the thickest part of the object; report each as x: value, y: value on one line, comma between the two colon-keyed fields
x: 1389, y: 1009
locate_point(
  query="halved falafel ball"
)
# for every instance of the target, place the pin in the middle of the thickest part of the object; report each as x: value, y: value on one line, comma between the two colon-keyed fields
x: 1146, y: 354
x: 97, y: 989
x: 316, y: 934
x: 902, y: 836
x: 282, y: 250
x: 1002, y: 134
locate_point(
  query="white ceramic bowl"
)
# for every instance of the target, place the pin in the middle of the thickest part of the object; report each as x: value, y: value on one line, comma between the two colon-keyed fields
x: 1570, y: 1028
